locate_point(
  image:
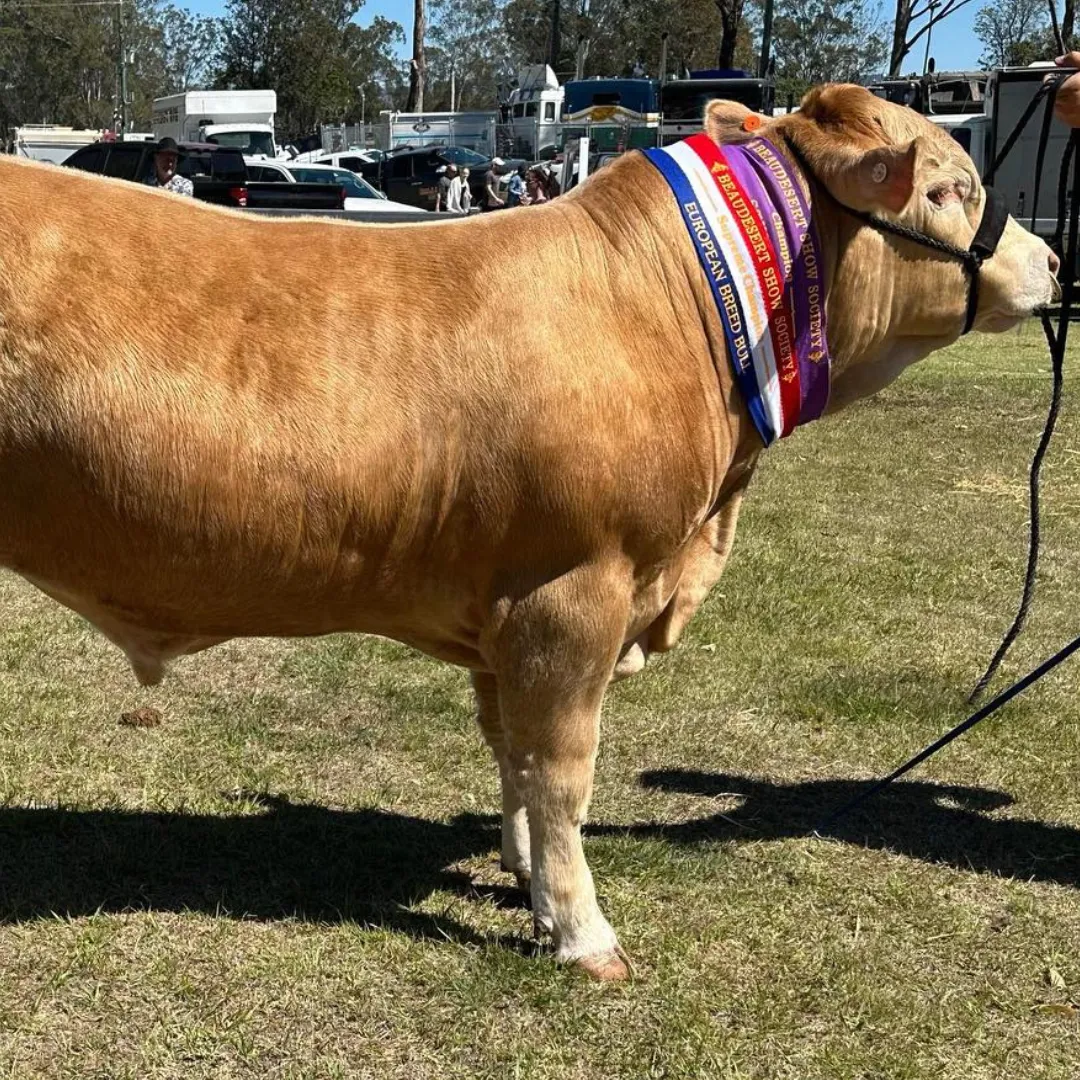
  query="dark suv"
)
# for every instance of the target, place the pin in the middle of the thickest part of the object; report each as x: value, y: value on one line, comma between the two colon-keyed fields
x: 411, y: 175
x: 217, y: 173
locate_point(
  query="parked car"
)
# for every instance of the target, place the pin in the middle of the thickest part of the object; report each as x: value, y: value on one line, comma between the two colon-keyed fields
x: 218, y: 175
x: 359, y: 194
x: 348, y: 159
x: 411, y: 176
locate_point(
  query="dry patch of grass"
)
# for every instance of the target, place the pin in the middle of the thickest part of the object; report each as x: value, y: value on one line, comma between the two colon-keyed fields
x: 293, y: 874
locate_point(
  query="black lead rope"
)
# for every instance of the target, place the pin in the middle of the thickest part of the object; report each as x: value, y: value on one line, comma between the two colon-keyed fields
x: 1057, y: 342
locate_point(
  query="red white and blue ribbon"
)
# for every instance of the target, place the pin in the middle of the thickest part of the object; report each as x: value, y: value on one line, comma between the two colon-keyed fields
x: 749, y: 221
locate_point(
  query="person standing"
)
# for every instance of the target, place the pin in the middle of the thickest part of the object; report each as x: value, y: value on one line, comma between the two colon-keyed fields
x: 442, y: 188
x: 466, y: 191
x: 453, y: 197
x: 165, y: 176
x: 492, y: 199
x: 534, y: 189
x: 516, y: 188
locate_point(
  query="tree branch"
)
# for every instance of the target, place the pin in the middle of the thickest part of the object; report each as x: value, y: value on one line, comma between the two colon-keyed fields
x: 943, y: 10
x: 947, y: 10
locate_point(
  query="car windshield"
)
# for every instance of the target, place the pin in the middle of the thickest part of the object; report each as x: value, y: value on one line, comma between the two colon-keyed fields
x: 461, y: 155
x: 355, y: 188
x: 251, y: 143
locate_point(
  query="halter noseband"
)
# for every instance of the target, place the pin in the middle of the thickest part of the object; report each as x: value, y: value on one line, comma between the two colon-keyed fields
x: 994, y: 217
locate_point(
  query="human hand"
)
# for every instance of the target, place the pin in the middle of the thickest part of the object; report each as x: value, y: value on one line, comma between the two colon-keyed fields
x: 1067, y: 102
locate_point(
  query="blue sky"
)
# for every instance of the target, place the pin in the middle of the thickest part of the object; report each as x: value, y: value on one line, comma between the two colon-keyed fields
x: 954, y: 44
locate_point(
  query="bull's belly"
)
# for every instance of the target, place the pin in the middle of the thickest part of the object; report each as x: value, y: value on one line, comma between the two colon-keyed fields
x: 145, y: 621
x: 161, y: 586
x: 150, y: 643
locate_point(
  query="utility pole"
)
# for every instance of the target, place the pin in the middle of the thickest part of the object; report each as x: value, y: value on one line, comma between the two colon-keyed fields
x: 555, y: 35
x: 929, y: 31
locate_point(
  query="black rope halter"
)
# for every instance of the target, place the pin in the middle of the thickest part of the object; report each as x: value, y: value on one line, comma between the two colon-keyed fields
x: 995, y: 215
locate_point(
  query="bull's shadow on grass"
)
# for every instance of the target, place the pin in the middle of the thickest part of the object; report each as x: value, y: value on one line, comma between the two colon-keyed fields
x: 372, y: 867
x: 289, y: 861
x: 936, y: 823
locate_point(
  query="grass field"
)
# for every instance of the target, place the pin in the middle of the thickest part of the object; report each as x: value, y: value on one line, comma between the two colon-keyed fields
x: 295, y: 874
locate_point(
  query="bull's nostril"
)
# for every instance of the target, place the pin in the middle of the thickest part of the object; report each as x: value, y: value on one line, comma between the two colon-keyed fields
x: 1055, y: 263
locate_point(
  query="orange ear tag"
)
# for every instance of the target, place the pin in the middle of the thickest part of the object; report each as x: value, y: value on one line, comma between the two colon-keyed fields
x: 752, y: 122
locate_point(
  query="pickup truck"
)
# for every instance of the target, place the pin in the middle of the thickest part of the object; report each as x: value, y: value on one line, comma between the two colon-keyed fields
x: 217, y: 173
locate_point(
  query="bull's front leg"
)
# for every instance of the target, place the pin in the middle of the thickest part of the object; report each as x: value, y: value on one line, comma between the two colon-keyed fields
x: 515, y: 824
x: 554, y: 655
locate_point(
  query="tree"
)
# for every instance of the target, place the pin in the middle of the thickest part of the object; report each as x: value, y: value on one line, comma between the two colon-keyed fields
x: 1013, y: 32
x: 908, y: 15
x: 625, y: 34
x: 417, y: 66
x: 825, y: 41
x: 60, y: 65
x: 189, y: 45
x: 310, y: 51
x: 467, y: 53
x: 374, y: 68
x: 731, y: 13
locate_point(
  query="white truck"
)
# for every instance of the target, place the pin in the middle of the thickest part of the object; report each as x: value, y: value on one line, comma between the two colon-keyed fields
x: 475, y: 130
x: 532, y: 113
x: 1009, y: 93
x: 49, y: 142
x: 240, y: 118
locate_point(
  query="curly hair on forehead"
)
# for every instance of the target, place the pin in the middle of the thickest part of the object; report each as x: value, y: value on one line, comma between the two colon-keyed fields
x: 846, y: 110
x: 855, y: 115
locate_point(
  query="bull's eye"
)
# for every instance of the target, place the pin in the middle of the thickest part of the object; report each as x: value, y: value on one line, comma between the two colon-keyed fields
x: 946, y: 194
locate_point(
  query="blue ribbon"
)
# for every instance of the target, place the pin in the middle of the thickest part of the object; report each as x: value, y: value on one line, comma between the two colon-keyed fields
x: 722, y: 286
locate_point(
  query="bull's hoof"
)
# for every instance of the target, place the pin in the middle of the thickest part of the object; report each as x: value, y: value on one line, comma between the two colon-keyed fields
x: 611, y: 966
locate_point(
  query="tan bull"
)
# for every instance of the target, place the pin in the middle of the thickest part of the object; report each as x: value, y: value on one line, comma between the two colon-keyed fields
x: 192, y: 449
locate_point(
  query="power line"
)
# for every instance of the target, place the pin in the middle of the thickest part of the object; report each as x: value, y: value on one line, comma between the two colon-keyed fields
x: 7, y: 4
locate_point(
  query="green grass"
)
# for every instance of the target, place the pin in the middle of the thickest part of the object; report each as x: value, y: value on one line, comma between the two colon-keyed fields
x: 295, y: 875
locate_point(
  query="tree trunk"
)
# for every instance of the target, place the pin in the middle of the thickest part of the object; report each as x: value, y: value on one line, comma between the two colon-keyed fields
x: 899, y: 37
x: 415, y: 102
x: 555, y: 35
x: 730, y: 15
x: 1068, y: 22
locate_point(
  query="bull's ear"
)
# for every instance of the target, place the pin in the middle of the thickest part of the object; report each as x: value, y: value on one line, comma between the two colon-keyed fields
x: 730, y: 121
x: 880, y: 179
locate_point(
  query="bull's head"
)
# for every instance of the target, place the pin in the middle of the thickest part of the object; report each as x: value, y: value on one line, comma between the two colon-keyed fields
x: 892, y: 302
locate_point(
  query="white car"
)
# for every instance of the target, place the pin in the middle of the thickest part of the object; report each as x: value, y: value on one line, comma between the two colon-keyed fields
x: 359, y: 194
x: 347, y: 159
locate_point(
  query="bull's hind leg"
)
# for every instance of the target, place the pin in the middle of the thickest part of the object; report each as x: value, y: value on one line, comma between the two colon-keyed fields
x: 554, y: 655
x: 515, y: 825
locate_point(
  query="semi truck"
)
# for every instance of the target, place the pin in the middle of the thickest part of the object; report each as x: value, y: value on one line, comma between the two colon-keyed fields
x: 243, y: 119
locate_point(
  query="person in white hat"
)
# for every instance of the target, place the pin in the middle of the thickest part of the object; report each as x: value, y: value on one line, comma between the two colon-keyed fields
x: 492, y: 199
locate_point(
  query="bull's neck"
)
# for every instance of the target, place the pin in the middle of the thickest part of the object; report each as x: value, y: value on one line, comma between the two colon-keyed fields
x: 654, y: 277
x: 726, y: 229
